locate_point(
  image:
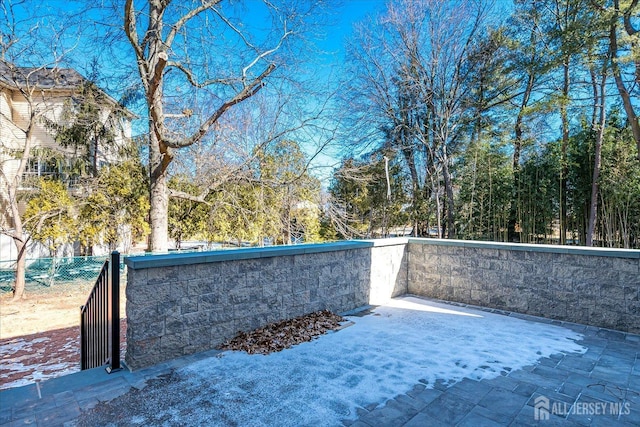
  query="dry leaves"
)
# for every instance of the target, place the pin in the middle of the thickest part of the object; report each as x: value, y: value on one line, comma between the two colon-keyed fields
x: 278, y: 336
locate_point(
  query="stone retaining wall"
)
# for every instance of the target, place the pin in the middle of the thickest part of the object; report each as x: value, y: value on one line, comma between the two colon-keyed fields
x: 593, y: 286
x: 180, y: 304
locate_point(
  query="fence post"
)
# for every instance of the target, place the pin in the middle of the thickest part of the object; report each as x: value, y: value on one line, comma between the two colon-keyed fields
x: 114, y: 312
x: 83, y: 340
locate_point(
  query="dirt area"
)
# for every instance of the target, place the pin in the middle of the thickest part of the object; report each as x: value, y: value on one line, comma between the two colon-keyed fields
x: 44, y: 311
x: 40, y: 335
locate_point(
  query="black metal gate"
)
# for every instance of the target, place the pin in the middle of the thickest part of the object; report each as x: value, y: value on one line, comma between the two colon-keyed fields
x: 100, y: 319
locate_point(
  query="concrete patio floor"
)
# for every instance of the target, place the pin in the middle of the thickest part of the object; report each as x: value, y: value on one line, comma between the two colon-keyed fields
x: 499, y: 382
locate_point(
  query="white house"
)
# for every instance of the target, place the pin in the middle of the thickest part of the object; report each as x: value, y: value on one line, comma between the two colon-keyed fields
x: 33, y: 101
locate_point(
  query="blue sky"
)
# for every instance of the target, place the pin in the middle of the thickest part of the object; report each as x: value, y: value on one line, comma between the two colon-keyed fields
x: 337, y: 35
x: 351, y: 12
x: 332, y: 40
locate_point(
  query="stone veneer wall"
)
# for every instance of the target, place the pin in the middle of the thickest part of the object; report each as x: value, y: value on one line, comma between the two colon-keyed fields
x: 180, y: 304
x: 593, y: 286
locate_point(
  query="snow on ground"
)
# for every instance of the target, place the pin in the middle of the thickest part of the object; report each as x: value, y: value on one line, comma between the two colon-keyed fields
x: 382, y: 355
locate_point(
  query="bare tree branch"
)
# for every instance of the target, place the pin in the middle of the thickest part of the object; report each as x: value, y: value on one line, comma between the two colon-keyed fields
x: 628, y: 26
x: 182, y: 21
x: 245, y: 93
x: 186, y: 196
x: 189, y: 74
x: 265, y: 54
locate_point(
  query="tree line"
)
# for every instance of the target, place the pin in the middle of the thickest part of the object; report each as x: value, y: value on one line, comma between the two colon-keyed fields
x: 522, y: 129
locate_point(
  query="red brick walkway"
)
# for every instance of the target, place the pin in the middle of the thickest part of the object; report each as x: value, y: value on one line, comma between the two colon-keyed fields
x: 37, y: 357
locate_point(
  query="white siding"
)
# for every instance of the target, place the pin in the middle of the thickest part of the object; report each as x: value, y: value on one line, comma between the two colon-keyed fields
x: 15, y: 114
x: 5, y: 109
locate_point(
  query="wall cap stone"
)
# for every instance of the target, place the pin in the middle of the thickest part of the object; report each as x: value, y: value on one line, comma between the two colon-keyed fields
x: 190, y: 258
x: 570, y: 250
x: 389, y: 241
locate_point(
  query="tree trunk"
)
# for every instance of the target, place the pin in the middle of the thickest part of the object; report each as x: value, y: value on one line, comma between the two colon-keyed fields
x: 626, y: 103
x: 564, y: 167
x: 435, y: 185
x: 594, y: 89
x: 19, y: 284
x: 512, y: 235
x: 593, y: 207
x: 415, y: 187
x: 94, y: 157
x: 18, y: 235
x: 448, y: 187
x: 158, y: 198
x: 622, y: 89
x: 153, y: 48
x: 160, y: 155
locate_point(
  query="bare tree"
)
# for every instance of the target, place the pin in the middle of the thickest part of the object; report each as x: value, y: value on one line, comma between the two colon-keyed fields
x: 601, y: 101
x: 204, y: 53
x: 411, y: 67
x: 600, y: 106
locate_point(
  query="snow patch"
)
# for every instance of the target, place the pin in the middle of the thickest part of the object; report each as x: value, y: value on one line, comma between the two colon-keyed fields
x: 382, y: 355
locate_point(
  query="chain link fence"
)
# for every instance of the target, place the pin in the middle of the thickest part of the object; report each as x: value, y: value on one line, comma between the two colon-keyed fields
x: 75, y: 274
x: 45, y: 275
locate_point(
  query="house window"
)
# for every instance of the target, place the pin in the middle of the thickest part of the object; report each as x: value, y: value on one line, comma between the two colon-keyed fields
x: 43, y: 167
x: 39, y: 168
